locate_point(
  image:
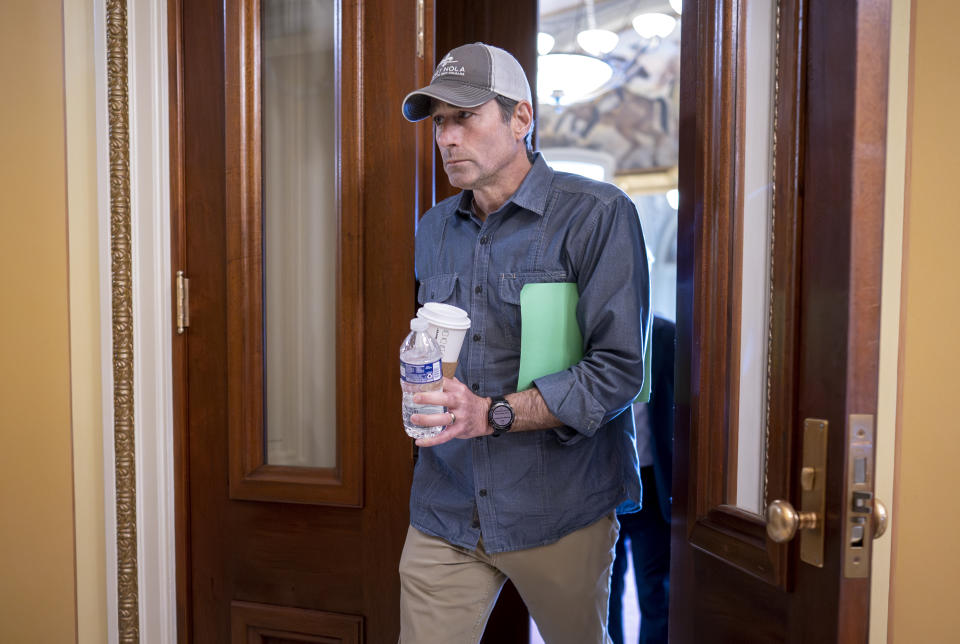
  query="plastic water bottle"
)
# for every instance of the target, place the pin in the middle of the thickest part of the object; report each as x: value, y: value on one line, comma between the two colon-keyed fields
x: 420, y: 370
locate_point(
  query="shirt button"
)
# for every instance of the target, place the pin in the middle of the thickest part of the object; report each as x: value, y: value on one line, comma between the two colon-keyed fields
x: 476, y: 387
x: 479, y: 289
x: 483, y: 492
x: 476, y: 337
x: 484, y: 239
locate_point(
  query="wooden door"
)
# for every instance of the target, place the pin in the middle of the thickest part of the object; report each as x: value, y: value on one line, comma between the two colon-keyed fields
x: 272, y: 545
x: 819, y: 323
x: 509, y: 24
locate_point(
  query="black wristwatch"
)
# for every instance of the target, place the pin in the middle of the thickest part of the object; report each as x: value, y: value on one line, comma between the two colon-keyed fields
x: 500, y: 415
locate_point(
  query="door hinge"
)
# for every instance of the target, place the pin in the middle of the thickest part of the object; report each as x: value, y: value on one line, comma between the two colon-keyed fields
x: 420, y: 29
x: 183, y: 303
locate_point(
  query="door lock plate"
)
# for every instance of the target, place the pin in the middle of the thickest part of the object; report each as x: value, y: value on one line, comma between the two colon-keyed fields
x: 813, y: 488
x: 857, y: 520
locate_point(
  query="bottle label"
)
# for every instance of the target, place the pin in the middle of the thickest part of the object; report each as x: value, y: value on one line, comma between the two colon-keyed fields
x: 420, y: 374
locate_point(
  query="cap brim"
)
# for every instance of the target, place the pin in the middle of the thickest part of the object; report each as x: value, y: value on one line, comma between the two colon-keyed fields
x: 416, y: 106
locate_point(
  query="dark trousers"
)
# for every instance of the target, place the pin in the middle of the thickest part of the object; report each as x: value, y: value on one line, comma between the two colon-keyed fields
x: 648, y: 537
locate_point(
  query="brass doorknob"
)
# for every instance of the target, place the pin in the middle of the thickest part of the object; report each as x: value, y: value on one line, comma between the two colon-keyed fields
x: 783, y: 521
x: 879, y: 518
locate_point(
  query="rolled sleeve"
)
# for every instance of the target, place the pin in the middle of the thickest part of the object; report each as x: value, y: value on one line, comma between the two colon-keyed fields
x: 613, y: 313
x: 573, y: 405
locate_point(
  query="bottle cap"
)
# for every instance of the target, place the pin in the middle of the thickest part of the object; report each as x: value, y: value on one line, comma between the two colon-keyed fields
x: 418, y: 324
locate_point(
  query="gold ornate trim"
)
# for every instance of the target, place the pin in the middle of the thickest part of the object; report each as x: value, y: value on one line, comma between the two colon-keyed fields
x: 121, y: 280
x: 773, y: 216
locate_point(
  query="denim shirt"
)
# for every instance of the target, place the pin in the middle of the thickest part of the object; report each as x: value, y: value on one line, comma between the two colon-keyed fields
x: 526, y: 489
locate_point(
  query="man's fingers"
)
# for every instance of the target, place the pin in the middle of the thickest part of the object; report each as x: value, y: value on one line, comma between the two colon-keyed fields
x: 431, y: 398
x: 430, y: 420
x: 449, y: 433
x: 443, y: 396
x: 454, y: 395
x: 440, y: 438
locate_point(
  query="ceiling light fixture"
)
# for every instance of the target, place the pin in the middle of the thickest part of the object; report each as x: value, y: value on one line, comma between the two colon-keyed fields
x: 544, y: 43
x: 563, y: 79
x: 596, y: 42
x: 677, y: 6
x: 654, y: 25
x: 673, y: 198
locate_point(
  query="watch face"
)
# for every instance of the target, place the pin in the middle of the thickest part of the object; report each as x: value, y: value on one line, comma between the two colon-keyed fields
x: 501, y: 415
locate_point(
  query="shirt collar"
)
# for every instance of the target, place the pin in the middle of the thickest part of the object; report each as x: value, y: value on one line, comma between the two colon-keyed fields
x: 465, y: 207
x: 531, y: 195
x: 533, y: 191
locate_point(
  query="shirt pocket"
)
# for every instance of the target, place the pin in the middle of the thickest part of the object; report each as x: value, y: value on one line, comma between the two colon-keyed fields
x: 438, y: 288
x: 510, y: 286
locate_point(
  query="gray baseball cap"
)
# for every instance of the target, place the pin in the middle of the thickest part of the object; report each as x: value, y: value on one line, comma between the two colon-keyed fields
x: 469, y: 76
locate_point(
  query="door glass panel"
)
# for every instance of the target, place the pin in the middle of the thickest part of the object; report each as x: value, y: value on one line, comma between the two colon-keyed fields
x: 299, y: 143
x: 757, y: 193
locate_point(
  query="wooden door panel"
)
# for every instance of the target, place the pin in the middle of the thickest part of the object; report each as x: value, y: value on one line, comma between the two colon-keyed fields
x: 730, y: 582
x: 260, y: 542
x: 199, y: 386
x: 721, y: 528
x: 251, y: 477
x: 509, y: 24
x: 311, y: 559
x: 260, y: 624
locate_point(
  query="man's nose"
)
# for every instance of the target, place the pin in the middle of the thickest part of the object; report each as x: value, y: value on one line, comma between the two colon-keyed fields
x: 447, y: 135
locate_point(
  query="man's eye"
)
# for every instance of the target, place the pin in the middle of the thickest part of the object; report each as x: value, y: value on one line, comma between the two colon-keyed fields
x: 465, y: 115
x: 437, y: 120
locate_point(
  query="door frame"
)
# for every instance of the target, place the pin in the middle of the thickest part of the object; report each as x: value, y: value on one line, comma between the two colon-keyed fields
x: 138, y: 509
x: 891, y: 302
x: 146, y: 27
x: 887, y: 429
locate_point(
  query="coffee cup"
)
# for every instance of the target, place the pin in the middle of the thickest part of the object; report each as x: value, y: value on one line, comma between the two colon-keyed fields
x: 448, y: 326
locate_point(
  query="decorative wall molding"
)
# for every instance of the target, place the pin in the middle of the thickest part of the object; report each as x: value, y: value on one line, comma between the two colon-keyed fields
x: 121, y: 299
x: 106, y: 328
x: 130, y: 49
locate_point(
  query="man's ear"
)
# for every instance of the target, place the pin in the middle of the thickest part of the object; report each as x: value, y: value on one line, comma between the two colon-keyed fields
x: 522, y: 119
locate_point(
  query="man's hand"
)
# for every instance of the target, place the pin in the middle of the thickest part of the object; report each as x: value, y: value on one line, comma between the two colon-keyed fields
x: 469, y: 409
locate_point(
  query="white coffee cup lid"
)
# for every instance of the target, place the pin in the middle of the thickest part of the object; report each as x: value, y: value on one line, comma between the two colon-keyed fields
x: 444, y: 315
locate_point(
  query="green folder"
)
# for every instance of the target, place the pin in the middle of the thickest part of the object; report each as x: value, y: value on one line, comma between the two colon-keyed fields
x: 550, y: 339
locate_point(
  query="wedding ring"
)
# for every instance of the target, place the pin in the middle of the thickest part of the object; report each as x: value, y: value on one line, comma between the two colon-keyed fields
x: 453, y: 418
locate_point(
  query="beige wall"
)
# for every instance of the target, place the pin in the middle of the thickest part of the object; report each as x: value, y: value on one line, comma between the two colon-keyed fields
x: 53, y: 584
x: 37, y: 586
x: 926, y: 561
x: 85, y: 321
x: 899, y: 73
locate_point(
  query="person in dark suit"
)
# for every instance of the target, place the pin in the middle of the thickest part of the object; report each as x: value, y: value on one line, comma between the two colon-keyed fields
x: 647, y: 532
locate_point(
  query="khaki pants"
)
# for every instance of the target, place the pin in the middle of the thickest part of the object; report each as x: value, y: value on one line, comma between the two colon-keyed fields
x: 447, y: 592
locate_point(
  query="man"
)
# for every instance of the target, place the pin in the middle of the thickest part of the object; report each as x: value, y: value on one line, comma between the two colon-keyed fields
x: 648, y: 530
x: 520, y: 485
